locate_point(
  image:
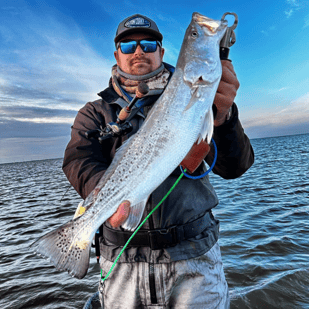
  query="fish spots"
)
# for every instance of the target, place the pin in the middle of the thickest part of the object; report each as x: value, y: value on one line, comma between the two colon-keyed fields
x: 77, y: 254
x: 62, y: 241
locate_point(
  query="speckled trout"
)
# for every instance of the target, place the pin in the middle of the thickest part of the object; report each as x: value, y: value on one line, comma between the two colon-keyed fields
x: 180, y: 117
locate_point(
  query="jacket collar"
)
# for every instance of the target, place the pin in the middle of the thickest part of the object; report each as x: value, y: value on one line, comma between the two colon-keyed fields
x: 110, y: 96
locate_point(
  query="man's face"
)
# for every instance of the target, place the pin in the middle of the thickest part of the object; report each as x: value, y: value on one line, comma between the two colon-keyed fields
x: 139, y: 63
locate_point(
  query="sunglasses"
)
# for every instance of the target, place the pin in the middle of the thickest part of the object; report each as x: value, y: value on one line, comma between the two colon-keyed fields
x: 129, y: 47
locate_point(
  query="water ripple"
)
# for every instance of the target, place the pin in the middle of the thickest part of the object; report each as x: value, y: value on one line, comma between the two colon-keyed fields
x: 264, y: 231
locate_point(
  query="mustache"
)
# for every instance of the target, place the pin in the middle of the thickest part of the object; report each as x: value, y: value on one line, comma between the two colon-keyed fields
x: 139, y: 59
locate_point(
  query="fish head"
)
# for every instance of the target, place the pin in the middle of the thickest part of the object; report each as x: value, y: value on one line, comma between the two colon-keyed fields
x: 199, y: 57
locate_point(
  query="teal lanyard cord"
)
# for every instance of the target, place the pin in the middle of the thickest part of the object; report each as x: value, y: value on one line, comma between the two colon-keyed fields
x: 137, y: 229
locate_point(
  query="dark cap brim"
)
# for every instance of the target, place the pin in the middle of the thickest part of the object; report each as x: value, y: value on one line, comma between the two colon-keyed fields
x: 153, y: 33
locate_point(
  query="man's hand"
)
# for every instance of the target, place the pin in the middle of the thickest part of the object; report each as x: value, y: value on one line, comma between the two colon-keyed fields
x: 195, y: 156
x: 226, y: 92
x: 121, y: 215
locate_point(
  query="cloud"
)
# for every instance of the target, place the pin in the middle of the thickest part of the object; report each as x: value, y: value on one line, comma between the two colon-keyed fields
x: 48, y: 70
x: 293, y: 2
x: 294, y: 115
x: 34, y: 121
x: 273, y: 91
x: 13, y: 128
x: 46, y: 58
x: 289, y: 13
x: 42, y: 119
x: 28, y: 149
x: 33, y: 111
x: 294, y: 6
x: 14, y: 96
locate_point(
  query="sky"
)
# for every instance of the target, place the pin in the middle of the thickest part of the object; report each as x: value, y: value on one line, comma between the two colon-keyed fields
x: 55, y: 56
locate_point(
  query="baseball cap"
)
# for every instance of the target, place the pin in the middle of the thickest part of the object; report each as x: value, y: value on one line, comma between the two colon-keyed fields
x: 137, y: 23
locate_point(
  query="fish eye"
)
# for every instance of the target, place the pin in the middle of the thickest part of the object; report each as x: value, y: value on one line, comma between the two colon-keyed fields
x: 194, y: 34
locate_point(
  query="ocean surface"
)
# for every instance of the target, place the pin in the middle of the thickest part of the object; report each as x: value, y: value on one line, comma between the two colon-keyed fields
x: 264, y: 234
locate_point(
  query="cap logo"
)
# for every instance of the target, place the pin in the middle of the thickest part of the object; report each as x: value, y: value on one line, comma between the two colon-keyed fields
x: 137, y: 22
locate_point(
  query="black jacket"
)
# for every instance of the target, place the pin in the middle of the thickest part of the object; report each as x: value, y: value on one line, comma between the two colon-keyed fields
x: 86, y: 161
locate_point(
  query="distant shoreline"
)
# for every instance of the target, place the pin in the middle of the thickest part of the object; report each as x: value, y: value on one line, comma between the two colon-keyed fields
x: 256, y: 138
x: 38, y: 160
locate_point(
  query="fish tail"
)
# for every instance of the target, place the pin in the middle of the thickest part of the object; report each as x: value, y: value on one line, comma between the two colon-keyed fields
x: 64, y: 249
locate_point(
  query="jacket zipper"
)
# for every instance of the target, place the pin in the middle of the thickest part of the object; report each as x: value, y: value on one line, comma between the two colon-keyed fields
x: 152, y: 284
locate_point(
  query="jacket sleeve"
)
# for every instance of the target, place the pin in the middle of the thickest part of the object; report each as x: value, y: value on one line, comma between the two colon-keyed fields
x: 235, y: 153
x: 86, y: 160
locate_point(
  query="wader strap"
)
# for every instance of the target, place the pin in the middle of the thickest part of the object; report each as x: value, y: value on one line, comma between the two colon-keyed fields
x: 96, y: 244
x: 160, y: 238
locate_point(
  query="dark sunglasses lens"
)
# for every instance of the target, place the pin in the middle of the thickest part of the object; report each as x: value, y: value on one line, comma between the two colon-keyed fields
x: 128, y: 47
x: 148, y: 46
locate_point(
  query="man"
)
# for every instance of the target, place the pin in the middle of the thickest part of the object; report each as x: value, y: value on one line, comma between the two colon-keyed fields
x: 167, y: 265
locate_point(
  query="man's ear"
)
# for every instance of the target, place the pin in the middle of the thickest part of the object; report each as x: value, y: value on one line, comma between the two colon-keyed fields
x: 162, y: 53
x: 116, y: 56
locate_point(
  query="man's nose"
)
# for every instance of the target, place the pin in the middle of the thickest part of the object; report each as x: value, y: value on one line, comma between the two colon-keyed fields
x: 138, y: 50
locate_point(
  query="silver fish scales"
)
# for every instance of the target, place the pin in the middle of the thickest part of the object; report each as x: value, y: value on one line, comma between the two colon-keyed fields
x: 181, y: 116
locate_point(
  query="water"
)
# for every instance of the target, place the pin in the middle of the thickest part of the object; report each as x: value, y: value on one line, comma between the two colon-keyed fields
x: 264, y: 231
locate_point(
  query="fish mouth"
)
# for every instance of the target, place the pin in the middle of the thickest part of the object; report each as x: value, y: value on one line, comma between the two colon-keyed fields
x: 200, y: 82
x: 204, y: 21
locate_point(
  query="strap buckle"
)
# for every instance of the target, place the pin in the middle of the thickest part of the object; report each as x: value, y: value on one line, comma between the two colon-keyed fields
x: 163, y: 238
